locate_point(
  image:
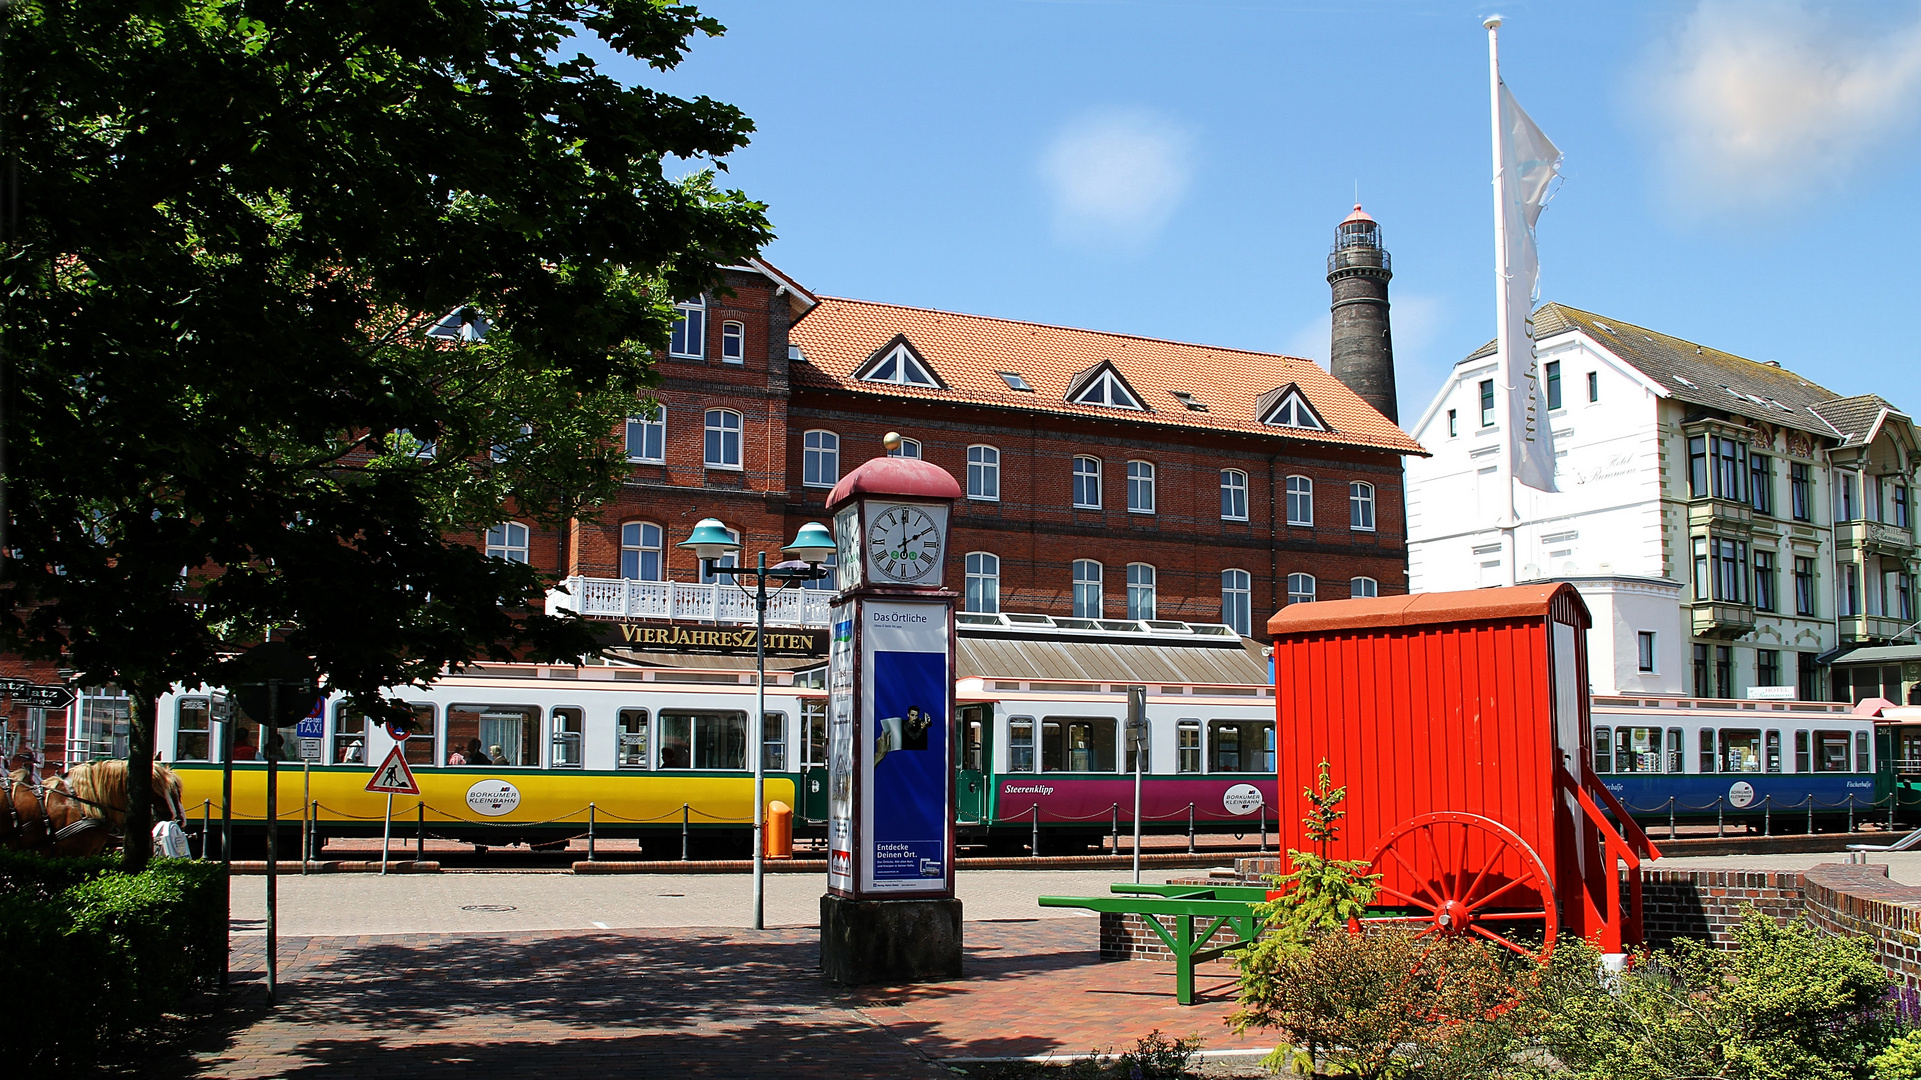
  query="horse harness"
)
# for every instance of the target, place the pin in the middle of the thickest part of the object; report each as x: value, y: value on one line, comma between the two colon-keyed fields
x: 39, y: 790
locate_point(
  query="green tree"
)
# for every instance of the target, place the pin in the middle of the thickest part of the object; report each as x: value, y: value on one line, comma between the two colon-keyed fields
x: 235, y: 220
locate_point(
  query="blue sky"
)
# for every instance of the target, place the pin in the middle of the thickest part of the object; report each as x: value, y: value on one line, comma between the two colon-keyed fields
x: 1739, y: 174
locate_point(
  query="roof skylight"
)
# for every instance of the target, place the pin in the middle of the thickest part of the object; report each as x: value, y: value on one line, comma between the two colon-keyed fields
x: 1014, y: 381
x: 1189, y: 400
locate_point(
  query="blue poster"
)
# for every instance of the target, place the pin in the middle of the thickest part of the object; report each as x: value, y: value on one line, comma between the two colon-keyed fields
x: 910, y: 766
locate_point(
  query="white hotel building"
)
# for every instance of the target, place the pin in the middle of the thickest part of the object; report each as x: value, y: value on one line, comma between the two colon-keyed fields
x: 1730, y: 523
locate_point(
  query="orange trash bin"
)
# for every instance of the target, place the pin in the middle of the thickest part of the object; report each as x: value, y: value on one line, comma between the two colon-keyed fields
x: 780, y: 830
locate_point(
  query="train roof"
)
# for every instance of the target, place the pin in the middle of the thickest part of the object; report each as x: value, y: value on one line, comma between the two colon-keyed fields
x: 1041, y: 648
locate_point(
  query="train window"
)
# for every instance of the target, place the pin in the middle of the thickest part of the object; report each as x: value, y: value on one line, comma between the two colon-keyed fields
x: 813, y: 720
x: 1603, y: 750
x: 497, y: 736
x: 350, y: 736
x: 773, y: 742
x: 973, y: 737
x: 1637, y: 749
x: 1774, y: 751
x: 1801, y: 762
x: 1861, y: 759
x: 420, y: 745
x: 1740, y: 750
x: 703, y: 740
x: 1020, y: 744
x: 1831, y: 751
x: 191, y: 728
x: 569, y: 725
x: 1187, y: 746
x: 630, y: 733
x: 1707, y: 751
x: 1077, y: 744
x: 1239, y: 746
x: 1677, y: 755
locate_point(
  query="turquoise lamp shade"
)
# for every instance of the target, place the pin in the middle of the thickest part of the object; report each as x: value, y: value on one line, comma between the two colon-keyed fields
x: 812, y: 544
x: 710, y: 540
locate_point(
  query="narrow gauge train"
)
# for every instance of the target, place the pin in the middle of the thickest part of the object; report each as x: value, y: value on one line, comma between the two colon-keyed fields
x: 654, y: 759
x: 1766, y: 764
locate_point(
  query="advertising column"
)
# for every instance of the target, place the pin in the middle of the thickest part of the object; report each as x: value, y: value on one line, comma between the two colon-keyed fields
x: 906, y: 776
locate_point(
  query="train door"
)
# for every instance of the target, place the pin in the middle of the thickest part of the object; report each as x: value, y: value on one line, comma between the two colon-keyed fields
x: 813, y: 768
x: 976, y: 727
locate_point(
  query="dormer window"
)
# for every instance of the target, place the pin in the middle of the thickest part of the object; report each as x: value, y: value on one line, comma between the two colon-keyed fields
x: 1102, y: 385
x: 1286, y: 406
x: 897, y: 362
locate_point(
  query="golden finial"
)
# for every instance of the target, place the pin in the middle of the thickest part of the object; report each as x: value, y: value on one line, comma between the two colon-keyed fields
x: 890, y: 441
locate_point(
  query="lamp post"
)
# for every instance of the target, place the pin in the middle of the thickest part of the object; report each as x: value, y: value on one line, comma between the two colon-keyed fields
x: 811, y: 547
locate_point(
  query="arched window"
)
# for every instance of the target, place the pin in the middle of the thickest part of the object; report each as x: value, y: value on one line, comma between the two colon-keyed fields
x: 1233, y: 495
x: 983, y: 473
x: 1362, y: 587
x: 690, y: 329
x: 640, y: 552
x: 733, y: 343
x: 983, y: 582
x: 1360, y: 506
x: 1237, y: 601
x: 820, y: 459
x: 508, y: 540
x: 1300, y: 588
x: 647, y: 436
x: 1087, y: 483
x: 1087, y: 589
x: 723, y: 439
x: 1140, y: 487
x: 1140, y: 590
x: 907, y: 448
x: 1300, y: 500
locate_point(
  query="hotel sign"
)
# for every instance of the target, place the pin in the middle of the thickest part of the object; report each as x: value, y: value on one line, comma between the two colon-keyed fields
x: 719, y: 640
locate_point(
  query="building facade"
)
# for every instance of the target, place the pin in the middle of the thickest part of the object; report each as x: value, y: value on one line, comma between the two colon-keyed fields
x: 1732, y: 524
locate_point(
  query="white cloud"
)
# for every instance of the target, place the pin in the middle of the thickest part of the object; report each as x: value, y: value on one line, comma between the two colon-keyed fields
x: 1116, y: 176
x: 1768, y: 101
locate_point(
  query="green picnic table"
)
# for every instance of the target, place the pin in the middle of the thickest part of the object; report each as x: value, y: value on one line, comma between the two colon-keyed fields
x: 1200, y: 912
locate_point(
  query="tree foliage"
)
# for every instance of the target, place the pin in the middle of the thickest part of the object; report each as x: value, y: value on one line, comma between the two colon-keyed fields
x: 236, y: 219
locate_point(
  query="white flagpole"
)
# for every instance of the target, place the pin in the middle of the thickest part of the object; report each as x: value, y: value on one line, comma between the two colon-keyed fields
x: 1503, y: 347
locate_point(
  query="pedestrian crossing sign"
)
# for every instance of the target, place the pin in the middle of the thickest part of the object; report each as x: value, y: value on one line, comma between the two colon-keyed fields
x: 393, y: 776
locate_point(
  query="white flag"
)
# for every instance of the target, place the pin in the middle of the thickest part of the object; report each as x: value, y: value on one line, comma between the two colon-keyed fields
x: 1529, y: 162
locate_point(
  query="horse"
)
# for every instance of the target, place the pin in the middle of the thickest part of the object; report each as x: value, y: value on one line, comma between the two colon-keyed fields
x: 80, y: 813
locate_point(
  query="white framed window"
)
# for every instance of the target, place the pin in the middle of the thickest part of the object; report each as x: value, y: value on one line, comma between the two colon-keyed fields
x: 1140, y: 590
x: 567, y: 726
x: 899, y: 365
x: 647, y: 436
x: 1644, y: 640
x: 1140, y: 487
x: 1300, y: 500
x: 1108, y: 388
x: 1300, y: 588
x: 642, y: 555
x: 1237, y: 601
x: 983, y: 582
x: 1360, y: 506
x: 690, y: 329
x: 1361, y: 588
x: 723, y: 439
x: 820, y: 459
x: 1288, y: 408
x: 907, y: 448
x: 508, y: 540
x: 1087, y: 483
x: 984, y: 473
x: 733, y: 343
x: 1087, y: 589
x: 1233, y: 495
x: 722, y: 563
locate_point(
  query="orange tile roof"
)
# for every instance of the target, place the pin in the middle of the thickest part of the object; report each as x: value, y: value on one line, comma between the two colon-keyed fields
x: 967, y: 351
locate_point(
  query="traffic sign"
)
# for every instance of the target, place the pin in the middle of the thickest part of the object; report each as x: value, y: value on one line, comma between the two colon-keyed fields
x: 36, y: 695
x: 393, y: 776
x: 312, y: 726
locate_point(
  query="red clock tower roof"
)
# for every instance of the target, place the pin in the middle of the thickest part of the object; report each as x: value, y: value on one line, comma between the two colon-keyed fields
x: 909, y: 478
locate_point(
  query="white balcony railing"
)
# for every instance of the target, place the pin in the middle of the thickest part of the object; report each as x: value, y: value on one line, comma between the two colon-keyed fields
x: 621, y: 598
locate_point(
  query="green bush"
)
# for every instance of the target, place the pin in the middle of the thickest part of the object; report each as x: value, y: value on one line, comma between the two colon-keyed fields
x: 100, y: 956
x: 1901, y: 1060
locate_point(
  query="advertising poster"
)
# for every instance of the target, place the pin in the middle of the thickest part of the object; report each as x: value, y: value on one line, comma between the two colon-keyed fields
x: 840, y: 750
x: 906, y: 736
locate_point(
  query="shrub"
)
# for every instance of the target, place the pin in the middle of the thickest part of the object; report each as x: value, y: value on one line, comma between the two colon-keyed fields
x: 1901, y: 1060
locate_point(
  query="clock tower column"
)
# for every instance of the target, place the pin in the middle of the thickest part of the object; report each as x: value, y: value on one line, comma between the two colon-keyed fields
x: 890, y: 914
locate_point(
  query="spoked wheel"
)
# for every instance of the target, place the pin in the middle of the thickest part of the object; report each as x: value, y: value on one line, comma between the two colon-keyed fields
x: 1467, y: 874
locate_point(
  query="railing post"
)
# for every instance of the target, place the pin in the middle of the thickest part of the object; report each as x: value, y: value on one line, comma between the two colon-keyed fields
x: 1115, y: 811
x: 1894, y: 798
x: 1670, y: 817
x: 1810, y: 813
x: 1850, y: 813
x: 1260, y: 815
x: 1036, y: 842
x: 420, y: 831
x: 1720, y: 819
x: 206, y: 827
x: 1767, y: 815
x: 683, y: 832
x: 1190, y: 828
x: 590, y: 832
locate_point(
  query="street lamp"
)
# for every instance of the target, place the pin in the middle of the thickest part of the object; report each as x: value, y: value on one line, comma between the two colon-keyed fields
x: 812, y: 546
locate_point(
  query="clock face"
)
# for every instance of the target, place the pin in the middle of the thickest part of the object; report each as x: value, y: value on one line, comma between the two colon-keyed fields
x: 903, y: 543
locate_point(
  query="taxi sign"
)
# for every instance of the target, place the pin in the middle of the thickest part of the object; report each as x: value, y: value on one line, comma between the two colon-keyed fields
x: 313, y: 725
x: 393, y: 776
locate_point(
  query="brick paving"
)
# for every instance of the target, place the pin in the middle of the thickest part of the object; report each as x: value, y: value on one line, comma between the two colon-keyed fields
x: 698, y: 1002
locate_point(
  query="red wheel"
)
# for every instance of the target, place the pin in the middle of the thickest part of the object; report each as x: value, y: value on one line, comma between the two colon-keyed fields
x: 1467, y: 874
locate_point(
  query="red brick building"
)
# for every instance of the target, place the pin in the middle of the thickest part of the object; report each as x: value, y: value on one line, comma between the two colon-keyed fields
x: 1107, y: 475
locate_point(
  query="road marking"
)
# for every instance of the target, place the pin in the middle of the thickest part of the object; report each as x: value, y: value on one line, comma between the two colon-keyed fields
x: 603, y: 926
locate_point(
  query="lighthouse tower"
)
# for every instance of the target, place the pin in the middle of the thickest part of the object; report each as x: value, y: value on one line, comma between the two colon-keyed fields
x: 1362, y: 354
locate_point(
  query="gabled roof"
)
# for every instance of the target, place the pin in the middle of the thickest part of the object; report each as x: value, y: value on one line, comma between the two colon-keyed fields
x: 1077, y: 386
x: 1857, y: 418
x: 969, y: 351
x: 1266, y: 405
x: 1694, y: 373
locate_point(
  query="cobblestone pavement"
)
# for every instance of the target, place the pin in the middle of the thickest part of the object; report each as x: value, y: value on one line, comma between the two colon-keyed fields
x: 690, y: 1002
